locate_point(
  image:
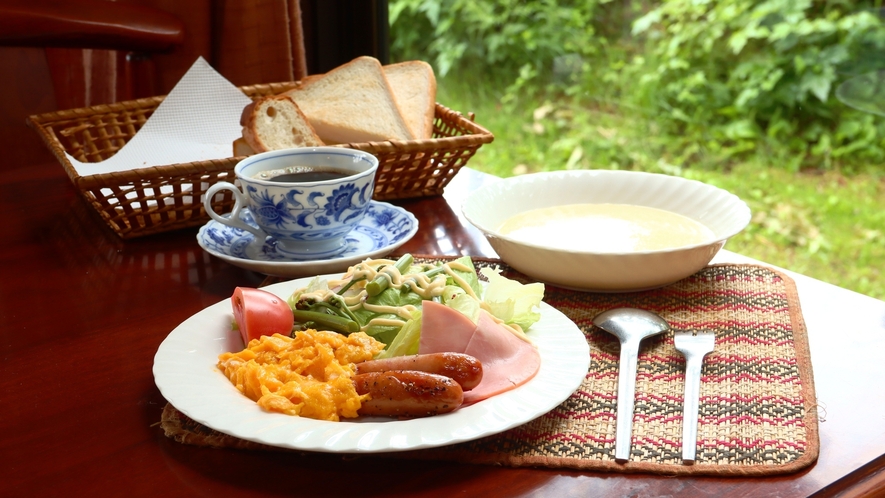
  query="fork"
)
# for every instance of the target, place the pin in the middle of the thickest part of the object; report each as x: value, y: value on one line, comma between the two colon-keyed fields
x: 694, y: 345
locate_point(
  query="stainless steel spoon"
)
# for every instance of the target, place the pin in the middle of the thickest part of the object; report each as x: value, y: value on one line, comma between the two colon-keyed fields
x: 630, y: 326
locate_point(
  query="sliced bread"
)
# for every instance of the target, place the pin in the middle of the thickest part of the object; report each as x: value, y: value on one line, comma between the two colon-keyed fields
x: 414, y: 86
x: 275, y: 122
x: 241, y: 148
x: 352, y: 103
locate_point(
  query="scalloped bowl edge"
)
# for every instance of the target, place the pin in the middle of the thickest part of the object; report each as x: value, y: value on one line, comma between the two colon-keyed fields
x: 719, y: 210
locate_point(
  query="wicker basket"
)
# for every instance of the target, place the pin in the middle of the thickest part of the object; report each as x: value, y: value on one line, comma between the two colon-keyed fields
x: 157, y: 199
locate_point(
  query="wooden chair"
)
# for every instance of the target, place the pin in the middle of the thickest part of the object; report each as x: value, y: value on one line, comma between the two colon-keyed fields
x: 96, y: 51
x: 78, y: 53
x: 67, y: 54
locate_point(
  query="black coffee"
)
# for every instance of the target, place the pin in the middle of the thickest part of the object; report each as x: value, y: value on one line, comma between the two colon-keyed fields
x: 302, y: 174
x: 309, y: 176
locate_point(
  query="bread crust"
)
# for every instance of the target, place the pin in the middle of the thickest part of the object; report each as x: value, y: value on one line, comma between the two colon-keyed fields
x: 276, y: 122
x: 414, y: 85
x: 242, y: 148
x: 361, y: 101
x: 352, y: 103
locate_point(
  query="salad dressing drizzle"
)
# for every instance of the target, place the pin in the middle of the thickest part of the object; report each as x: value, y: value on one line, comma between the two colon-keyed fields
x: 422, y: 285
x: 383, y: 322
x: 512, y: 327
x: 354, y: 301
x: 449, y: 269
x: 318, y: 295
x: 419, y: 283
x: 404, y: 312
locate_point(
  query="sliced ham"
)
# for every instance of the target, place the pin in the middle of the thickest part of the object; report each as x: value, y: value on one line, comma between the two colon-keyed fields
x: 507, y: 361
x: 447, y: 330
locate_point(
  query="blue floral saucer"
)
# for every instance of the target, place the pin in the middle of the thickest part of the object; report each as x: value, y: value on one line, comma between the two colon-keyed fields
x: 384, y: 228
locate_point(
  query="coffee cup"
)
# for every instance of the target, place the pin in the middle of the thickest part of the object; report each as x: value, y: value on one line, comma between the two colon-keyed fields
x: 307, y: 199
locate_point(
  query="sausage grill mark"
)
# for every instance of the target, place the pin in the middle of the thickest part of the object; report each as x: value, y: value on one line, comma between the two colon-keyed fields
x: 405, y: 393
x: 463, y: 369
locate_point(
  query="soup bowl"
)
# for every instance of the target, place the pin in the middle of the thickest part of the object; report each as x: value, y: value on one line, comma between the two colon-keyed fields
x: 723, y: 213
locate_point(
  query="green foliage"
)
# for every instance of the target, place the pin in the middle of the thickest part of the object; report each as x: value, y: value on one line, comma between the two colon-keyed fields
x: 824, y: 225
x: 725, y: 80
x: 741, y: 74
x: 519, y: 40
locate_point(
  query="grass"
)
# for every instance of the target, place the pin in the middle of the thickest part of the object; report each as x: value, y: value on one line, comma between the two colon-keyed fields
x: 823, y: 224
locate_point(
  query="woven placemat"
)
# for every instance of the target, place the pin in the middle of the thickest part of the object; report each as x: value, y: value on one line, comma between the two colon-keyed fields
x: 757, y: 408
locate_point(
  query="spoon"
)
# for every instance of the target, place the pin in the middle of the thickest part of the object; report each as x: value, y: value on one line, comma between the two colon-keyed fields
x: 630, y: 326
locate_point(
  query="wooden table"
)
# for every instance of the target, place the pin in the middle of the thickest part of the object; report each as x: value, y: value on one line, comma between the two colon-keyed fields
x: 83, y: 312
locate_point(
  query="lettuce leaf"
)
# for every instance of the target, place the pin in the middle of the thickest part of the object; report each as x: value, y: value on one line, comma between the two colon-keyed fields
x: 469, y: 277
x: 391, y: 297
x: 467, y: 305
x: 511, y: 301
x: 407, y: 339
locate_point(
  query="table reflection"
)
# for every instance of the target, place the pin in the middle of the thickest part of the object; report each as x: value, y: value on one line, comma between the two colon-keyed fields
x: 443, y: 229
x: 108, y: 271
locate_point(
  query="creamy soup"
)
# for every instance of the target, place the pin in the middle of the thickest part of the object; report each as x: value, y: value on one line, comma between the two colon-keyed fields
x: 606, y: 228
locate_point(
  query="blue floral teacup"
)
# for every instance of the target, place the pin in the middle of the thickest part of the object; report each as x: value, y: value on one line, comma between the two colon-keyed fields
x: 308, y: 199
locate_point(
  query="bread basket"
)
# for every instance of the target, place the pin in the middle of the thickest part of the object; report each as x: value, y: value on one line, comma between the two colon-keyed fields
x: 157, y: 199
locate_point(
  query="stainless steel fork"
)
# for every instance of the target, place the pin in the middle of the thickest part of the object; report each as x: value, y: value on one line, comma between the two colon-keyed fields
x: 694, y: 345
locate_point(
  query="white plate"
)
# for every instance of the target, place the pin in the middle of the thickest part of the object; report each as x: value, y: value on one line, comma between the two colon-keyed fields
x: 384, y: 228
x: 185, y: 372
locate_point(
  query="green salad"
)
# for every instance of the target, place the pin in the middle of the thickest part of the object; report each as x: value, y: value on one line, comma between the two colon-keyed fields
x: 383, y: 298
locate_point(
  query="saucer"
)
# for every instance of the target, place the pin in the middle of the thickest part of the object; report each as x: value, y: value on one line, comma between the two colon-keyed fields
x: 384, y: 228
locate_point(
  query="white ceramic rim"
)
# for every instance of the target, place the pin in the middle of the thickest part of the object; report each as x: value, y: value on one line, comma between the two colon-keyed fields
x: 305, y: 151
x: 515, y: 179
x: 301, y: 268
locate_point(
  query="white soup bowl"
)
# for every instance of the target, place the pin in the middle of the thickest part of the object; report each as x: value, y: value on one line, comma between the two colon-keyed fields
x: 720, y: 211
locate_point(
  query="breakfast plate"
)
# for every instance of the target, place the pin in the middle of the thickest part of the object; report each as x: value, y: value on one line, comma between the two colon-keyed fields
x: 384, y: 228
x: 185, y: 372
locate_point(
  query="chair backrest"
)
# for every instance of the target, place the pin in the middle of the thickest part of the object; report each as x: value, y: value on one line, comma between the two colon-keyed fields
x: 78, y: 53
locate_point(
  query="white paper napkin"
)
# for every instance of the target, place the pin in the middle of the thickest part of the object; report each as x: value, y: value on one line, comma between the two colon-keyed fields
x: 197, y: 121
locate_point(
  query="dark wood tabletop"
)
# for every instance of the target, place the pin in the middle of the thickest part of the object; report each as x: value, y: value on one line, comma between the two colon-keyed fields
x: 83, y: 312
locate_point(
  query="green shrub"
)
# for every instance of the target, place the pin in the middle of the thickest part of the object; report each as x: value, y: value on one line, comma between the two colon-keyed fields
x: 525, y: 44
x: 715, y: 81
x: 733, y: 76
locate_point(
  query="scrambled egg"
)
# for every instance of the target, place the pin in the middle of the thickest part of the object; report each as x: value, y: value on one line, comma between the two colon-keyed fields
x: 309, y: 376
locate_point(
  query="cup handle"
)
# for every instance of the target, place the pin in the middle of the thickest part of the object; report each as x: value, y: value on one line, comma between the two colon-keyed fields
x: 234, y: 219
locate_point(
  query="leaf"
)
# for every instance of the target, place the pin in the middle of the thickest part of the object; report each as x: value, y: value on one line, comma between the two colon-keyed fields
x: 642, y: 24
x: 511, y: 301
x: 737, y: 42
x: 743, y: 128
x: 574, y: 157
x: 817, y: 84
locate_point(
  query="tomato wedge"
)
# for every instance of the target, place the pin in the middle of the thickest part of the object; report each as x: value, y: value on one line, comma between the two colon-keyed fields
x: 258, y: 312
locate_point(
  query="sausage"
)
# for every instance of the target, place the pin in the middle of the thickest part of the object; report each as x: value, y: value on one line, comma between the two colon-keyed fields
x: 407, y: 394
x: 464, y: 369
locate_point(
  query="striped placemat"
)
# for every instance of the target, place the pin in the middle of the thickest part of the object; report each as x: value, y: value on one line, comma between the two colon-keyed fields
x: 757, y: 408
